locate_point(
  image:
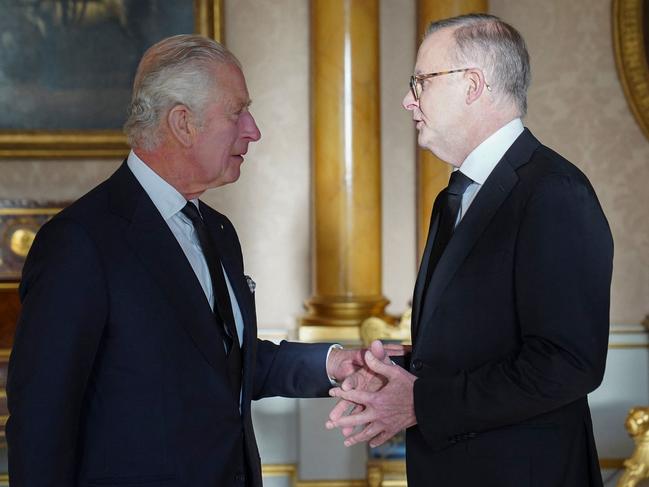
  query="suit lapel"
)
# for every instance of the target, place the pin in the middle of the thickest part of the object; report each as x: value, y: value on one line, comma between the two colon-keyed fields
x: 497, y: 187
x: 157, y: 248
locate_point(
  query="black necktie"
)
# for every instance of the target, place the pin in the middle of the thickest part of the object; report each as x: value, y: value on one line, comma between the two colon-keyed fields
x: 449, y: 209
x: 222, y: 304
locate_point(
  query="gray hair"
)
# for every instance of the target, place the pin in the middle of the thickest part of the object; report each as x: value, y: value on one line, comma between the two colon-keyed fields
x: 497, y: 47
x: 176, y: 70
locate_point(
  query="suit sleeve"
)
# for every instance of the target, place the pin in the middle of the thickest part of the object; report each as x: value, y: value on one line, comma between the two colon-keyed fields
x: 562, y: 268
x: 64, y: 305
x: 291, y: 370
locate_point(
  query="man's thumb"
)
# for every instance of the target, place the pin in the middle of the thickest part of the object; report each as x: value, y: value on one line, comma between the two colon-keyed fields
x: 376, y: 347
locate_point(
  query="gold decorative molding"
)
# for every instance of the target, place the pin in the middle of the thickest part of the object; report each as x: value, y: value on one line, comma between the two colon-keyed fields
x: 631, y: 57
x: 380, y: 473
x: 279, y: 470
x: 340, y: 312
x: 290, y: 470
x: 629, y: 329
x: 627, y: 346
x: 386, y: 473
x: 331, y: 483
x: 52, y: 144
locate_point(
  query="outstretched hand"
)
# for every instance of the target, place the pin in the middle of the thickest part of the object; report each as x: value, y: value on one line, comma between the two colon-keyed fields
x: 364, y: 379
x: 381, y: 398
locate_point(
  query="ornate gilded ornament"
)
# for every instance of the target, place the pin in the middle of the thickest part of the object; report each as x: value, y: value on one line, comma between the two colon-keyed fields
x: 20, y: 220
x: 375, y: 328
x: 631, y: 40
x: 20, y: 241
x: 637, y: 467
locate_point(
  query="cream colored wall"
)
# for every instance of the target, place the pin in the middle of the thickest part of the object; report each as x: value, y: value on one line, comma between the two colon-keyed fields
x: 577, y: 107
x: 270, y: 204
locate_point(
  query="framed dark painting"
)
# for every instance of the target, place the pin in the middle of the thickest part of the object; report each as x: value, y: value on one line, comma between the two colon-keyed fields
x: 67, y: 66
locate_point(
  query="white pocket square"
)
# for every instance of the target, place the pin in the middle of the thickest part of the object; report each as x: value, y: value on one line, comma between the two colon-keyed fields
x: 251, y: 284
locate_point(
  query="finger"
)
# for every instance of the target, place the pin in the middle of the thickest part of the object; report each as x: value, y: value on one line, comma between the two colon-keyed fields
x: 379, y: 367
x: 350, y: 410
x: 381, y: 438
x: 355, y: 409
x: 364, y: 417
x: 376, y: 347
x: 367, y: 433
x: 351, y: 382
x: 340, y: 409
x: 359, y: 397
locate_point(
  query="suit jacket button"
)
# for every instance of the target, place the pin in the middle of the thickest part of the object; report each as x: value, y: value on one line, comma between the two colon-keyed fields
x: 417, y: 364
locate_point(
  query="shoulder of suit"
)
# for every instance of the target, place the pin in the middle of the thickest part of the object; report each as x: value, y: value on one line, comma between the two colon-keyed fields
x: 88, y: 207
x: 546, y: 162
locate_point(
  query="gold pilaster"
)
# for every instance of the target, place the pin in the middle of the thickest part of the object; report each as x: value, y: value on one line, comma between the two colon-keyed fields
x: 432, y: 173
x: 346, y: 169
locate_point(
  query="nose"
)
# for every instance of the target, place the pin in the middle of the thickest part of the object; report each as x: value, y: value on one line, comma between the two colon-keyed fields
x: 249, y: 129
x: 409, y: 102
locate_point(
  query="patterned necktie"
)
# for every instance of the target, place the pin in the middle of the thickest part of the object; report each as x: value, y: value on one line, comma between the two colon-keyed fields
x: 223, y: 305
x: 449, y: 209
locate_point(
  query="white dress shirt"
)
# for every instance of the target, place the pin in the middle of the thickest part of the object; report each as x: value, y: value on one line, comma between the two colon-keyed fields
x: 169, y: 203
x: 483, y: 159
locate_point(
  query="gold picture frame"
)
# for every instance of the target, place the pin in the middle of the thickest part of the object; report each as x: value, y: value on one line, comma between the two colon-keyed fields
x: 208, y: 21
x: 629, y: 38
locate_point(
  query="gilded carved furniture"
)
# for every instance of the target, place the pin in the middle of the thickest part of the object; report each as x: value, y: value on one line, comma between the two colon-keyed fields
x: 637, y: 467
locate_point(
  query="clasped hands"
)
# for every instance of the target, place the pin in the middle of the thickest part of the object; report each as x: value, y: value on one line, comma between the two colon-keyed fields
x: 376, y: 396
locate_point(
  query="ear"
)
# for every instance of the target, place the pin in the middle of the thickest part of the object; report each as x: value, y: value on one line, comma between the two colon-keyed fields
x: 180, y: 122
x: 476, y: 84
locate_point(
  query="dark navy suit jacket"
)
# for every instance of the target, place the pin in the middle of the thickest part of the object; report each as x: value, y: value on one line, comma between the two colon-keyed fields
x: 511, y: 332
x: 117, y: 376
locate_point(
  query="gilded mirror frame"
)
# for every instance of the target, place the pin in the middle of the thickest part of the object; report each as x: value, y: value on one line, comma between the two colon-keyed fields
x: 631, y: 57
x: 49, y: 144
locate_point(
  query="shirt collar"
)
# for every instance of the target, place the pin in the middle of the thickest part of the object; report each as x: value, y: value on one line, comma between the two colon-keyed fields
x: 484, y: 158
x: 165, y: 197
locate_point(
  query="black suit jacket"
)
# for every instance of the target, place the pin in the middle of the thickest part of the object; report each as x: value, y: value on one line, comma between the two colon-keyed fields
x: 117, y: 376
x: 512, y: 331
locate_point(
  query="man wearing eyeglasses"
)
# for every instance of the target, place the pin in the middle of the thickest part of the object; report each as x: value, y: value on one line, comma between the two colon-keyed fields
x: 511, y: 304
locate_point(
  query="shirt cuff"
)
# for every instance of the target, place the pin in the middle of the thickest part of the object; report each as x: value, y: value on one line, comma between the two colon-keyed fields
x: 333, y: 380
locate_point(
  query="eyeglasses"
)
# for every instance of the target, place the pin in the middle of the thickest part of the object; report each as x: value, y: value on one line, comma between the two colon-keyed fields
x: 417, y: 80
